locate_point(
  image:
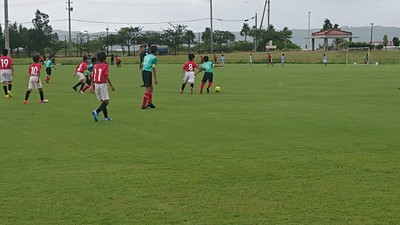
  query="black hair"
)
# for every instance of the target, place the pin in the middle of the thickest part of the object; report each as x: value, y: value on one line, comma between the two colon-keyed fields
x: 85, y: 58
x: 35, y: 58
x: 205, y: 58
x: 5, y: 52
x: 153, y: 49
x: 191, y: 56
x: 93, y: 60
x: 101, y: 56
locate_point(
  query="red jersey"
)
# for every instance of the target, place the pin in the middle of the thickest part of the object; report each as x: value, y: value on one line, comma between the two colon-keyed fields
x: 81, y: 68
x: 34, y: 69
x: 189, y: 66
x: 5, y: 63
x: 118, y: 59
x: 100, y: 72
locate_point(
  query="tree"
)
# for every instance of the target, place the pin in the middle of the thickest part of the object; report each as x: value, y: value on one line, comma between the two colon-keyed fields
x: 224, y: 37
x: 245, y: 31
x: 128, y: 36
x: 396, y: 42
x: 385, y: 40
x: 189, y: 38
x: 328, y: 25
x: 40, y: 35
x: 151, y: 38
x: 55, y: 44
x: 205, y: 36
x: 173, y: 37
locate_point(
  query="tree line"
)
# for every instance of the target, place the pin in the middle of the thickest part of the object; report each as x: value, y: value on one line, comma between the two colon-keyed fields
x: 40, y: 39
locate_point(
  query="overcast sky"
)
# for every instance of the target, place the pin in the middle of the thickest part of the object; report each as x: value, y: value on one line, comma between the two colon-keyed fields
x: 97, y: 15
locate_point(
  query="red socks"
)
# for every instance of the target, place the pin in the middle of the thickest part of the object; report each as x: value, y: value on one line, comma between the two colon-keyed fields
x: 209, y: 84
x: 202, y: 86
x: 85, y: 88
x: 147, y: 98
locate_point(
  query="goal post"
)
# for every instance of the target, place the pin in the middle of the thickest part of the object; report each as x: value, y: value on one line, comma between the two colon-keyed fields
x: 359, y: 56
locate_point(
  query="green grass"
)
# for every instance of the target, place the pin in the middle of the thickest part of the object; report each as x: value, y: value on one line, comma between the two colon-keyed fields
x: 300, y: 144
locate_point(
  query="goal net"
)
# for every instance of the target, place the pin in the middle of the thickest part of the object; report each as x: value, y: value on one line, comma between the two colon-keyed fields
x: 359, y: 56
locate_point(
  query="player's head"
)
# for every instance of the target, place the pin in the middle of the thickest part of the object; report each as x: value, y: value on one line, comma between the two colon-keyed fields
x: 85, y: 58
x: 93, y: 60
x: 153, y: 49
x: 101, y: 56
x: 191, y: 56
x: 205, y: 58
x: 35, y: 58
x: 4, y: 52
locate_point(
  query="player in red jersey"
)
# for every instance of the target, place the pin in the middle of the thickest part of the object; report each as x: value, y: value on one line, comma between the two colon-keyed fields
x: 34, y: 80
x: 188, y: 69
x: 79, y: 72
x: 6, y: 72
x: 118, y: 60
x: 269, y: 59
x: 99, y: 83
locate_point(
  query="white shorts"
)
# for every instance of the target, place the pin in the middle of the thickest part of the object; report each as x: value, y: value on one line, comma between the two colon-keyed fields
x: 189, y: 77
x: 80, y: 76
x: 34, y: 83
x: 5, y: 75
x: 101, y: 91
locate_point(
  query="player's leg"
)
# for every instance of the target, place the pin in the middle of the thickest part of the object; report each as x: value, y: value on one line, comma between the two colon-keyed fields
x: 48, y: 72
x: 210, y: 81
x: 3, y: 79
x: 203, y: 82
x: 185, y: 80
x: 148, y: 94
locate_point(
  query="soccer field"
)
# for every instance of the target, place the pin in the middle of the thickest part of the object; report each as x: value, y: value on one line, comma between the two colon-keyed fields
x: 299, y: 144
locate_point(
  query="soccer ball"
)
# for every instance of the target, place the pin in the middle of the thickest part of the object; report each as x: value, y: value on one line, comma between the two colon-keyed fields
x: 217, y: 89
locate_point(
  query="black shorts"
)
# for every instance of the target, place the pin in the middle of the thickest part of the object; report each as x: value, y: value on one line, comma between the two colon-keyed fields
x: 207, y: 76
x: 48, y: 71
x: 147, y: 78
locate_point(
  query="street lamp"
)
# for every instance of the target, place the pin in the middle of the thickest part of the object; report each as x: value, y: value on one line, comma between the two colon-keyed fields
x: 372, y: 31
x: 107, y: 39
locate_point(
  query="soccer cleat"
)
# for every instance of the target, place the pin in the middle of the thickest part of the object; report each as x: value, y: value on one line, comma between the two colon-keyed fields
x: 181, y: 91
x: 25, y: 102
x: 95, y: 116
x: 74, y: 88
x: 9, y: 94
x: 6, y: 96
x: 191, y: 91
x: 81, y: 92
x: 150, y: 105
x: 145, y: 107
x: 208, y: 90
x: 201, y: 91
x: 44, y: 101
x: 142, y: 85
x: 107, y: 119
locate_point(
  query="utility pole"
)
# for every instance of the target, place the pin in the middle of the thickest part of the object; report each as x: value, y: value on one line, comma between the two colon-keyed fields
x: 255, y: 35
x: 263, y: 15
x: 212, y: 30
x: 269, y: 13
x: 372, y: 32
x: 70, y: 9
x: 309, y: 29
x: 6, y: 27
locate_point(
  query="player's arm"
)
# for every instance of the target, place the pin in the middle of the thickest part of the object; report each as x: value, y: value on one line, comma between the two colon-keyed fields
x: 109, y: 82
x: 155, y: 74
